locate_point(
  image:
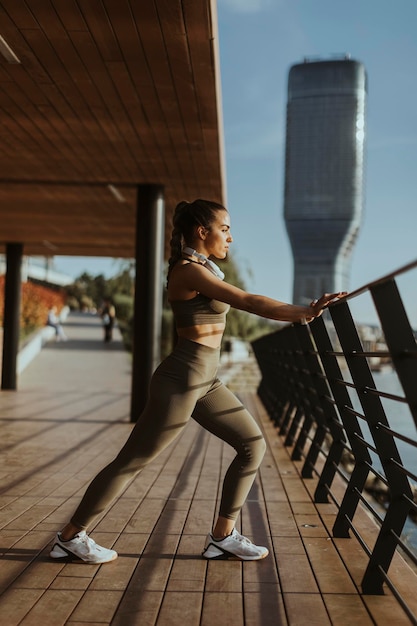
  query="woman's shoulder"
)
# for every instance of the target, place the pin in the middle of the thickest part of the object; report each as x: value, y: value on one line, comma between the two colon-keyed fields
x: 188, y: 279
x: 181, y: 281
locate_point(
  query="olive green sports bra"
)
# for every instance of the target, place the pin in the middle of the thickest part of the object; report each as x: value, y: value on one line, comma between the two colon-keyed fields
x: 198, y: 310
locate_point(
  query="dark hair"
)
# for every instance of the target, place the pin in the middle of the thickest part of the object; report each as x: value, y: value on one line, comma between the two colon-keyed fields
x: 188, y: 216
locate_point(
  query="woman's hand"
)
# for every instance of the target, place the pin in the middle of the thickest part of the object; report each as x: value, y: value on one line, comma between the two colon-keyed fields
x: 317, y: 306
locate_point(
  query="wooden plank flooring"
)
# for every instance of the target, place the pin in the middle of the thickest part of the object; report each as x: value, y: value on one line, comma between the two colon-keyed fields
x: 69, y: 418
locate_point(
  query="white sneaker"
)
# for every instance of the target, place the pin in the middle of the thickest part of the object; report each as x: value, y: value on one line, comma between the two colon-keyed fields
x: 234, y: 546
x: 81, y: 547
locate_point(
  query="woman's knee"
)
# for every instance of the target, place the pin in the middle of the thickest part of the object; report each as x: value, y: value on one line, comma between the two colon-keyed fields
x: 253, y: 451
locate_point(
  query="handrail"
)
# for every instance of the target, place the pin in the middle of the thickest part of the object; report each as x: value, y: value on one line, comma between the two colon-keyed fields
x: 383, y: 279
x: 321, y: 390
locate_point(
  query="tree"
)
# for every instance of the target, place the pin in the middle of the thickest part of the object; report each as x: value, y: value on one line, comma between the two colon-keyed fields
x: 90, y: 290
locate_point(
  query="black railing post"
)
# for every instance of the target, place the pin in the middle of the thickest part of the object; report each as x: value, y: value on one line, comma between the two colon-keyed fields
x: 327, y: 418
x: 399, y: 337
x: 398, y: 508
x: 306, y: 394
x: 351, y: 426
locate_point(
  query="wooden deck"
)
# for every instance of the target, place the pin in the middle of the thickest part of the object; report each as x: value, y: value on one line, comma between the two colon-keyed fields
x: 68, y: 419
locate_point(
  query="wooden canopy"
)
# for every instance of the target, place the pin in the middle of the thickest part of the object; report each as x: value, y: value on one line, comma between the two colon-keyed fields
x: 97, y: 97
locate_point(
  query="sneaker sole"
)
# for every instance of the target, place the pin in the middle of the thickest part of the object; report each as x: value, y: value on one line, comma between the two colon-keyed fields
x: 229, y: 556
x: 58, y: 553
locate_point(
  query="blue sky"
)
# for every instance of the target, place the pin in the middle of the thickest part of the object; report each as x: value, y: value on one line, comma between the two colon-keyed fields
x: 259, y: 41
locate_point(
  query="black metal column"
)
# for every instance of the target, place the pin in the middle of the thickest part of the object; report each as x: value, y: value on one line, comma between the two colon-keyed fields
x: 146, y: 346
x: 11, y: 318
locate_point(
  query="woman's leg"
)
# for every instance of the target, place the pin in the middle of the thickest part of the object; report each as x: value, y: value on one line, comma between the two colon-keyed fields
x: 175, y: 388
x: 221, y: 413
x: 163, y: 419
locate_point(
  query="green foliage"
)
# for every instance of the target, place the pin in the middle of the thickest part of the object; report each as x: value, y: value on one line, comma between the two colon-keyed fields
x: 124, y: 306
x: 122, y: 284
x: 124, y: 313
x: 88, y: 291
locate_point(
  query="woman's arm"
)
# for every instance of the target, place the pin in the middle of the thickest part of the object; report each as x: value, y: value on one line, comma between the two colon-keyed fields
x: 195, y: 277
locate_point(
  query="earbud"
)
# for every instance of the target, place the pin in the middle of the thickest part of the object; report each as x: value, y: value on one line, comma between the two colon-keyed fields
x: 214, y: 269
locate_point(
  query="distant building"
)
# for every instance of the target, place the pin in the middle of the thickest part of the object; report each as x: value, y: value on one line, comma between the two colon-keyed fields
x: 39, y: 270
x: 324, y: 172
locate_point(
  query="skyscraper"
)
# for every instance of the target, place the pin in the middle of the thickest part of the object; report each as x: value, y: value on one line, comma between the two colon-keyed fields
x: 324, y: 171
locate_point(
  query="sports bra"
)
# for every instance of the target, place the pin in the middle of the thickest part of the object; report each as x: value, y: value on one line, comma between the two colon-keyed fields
x: 198, y: 310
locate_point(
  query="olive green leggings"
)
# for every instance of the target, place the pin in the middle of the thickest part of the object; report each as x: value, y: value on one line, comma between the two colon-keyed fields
x: 183, y: 386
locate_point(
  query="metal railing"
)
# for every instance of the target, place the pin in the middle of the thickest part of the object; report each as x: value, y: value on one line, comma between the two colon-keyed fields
x: 344, y: 396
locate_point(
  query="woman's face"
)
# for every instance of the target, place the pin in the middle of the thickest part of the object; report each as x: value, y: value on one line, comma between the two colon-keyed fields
x: 218, y: 239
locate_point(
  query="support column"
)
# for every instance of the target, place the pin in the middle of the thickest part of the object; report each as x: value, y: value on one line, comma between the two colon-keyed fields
x: 146, y: 346
x: 11, y: 318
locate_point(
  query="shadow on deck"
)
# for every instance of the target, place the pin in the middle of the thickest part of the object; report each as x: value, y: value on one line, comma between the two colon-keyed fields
x: 68, y: 419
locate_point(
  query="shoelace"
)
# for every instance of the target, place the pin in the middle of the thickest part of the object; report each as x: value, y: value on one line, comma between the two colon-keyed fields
x: 88, y: 542
x: 242, y: 538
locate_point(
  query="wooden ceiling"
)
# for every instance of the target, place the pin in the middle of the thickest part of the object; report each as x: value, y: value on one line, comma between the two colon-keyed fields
x: 107, y: 94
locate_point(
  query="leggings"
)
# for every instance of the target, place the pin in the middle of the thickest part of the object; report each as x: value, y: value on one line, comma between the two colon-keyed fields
x: 184, y: 385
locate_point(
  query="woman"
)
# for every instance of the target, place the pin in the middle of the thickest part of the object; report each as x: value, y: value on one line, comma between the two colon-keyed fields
x: 186, y: 385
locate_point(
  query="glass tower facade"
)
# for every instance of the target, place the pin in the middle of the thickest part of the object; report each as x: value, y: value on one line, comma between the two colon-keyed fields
x: 324, y: 172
